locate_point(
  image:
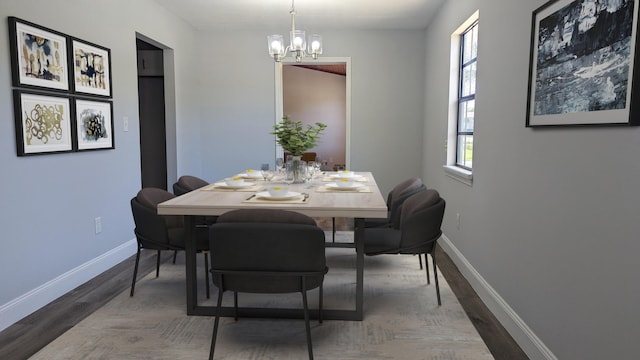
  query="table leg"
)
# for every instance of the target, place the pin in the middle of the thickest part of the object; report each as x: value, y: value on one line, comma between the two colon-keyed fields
x: 327, y: 314
x: 358, y: 237
x: 190, y: 264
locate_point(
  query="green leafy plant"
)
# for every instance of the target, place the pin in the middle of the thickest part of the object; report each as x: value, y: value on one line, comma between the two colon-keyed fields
x: 296, y: 138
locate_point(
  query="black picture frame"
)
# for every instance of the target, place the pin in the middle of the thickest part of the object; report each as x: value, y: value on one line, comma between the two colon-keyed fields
x: 91, y: 68
x: 583, y: 64
x: 44, y: 123
x: 39, y: 56
x: 93, y: 124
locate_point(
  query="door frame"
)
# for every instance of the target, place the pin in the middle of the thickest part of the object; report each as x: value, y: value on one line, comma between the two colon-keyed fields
x: 279, y: 101
x: 169, y: 107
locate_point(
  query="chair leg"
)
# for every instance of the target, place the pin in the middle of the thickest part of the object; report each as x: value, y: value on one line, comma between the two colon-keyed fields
x: 215, y: 325
x: 235, y: 305
x: 435, y: 274
x: 206, y: 272
x: 135, y: 272
x: 426, y: 266
x: 420, y: 260
x: 158, y: 264
x: 175, y: 254
x: 320, y: 305
x: 306, y: 318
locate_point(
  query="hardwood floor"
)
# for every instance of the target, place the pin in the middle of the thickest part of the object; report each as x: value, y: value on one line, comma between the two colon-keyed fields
x: 35, y: 331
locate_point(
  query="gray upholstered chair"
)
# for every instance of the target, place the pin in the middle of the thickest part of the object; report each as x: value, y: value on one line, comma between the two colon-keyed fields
x: 267, y: 251
x: 187, y: 183
x: 161, y: 232
x: 418, y: 233
x: 395, y: 199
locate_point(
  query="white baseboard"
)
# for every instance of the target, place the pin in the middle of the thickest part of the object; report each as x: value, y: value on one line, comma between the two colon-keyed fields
x: 35, y: 299
x: 515, y: 326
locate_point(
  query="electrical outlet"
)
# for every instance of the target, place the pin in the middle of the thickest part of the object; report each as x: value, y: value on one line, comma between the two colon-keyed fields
x: 458, y: 221
x: 125, y: 123
x: 98, y: 224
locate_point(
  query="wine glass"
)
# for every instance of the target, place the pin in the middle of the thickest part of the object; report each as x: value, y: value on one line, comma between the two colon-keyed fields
x: 267, y: 175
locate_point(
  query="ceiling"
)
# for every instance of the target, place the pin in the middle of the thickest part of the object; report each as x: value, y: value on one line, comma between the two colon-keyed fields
x: 310, y: 14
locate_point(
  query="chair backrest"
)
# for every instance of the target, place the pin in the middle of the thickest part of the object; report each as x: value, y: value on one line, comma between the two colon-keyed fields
x: 308, y: 156
x: 187, y: 183
x: 266, y: 251
x: 398, y: 195
x: 421, y: 221
x: 152, y: 230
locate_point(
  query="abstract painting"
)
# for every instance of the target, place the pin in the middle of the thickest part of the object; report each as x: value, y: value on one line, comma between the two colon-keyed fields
x: 38, y: 56
x: 91, y: 68
x: 94, y: 122
x: 43, y: 123
x: 582, y: 63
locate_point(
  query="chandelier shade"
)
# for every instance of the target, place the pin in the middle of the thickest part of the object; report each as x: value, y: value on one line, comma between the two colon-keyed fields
x: 298, y: 44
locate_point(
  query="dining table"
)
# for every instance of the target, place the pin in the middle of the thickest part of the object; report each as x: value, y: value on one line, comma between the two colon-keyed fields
x: 320, y: 197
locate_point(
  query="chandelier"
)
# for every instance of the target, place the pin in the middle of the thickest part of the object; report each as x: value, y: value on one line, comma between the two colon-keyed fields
x: 297, y: 42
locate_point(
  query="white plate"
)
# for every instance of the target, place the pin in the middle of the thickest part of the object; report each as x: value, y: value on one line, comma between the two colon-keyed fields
x: 335, y: 186
x: 225, y: 186
x: 345, y: 176
x: 265, y: 195
x: 256, y: 175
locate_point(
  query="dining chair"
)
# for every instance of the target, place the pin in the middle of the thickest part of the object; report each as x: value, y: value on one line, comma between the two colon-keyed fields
x: 418, y: 233
x: 267, y: 251
x: 395, y: 199
x: 188, y: 183
x: 307, y: 156
x: 161, y: 232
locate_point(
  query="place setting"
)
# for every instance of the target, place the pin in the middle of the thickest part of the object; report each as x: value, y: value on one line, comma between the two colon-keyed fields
x: 344, y: 185
x: 235, y: 183
x: 344, y: 174
x: 280, y: 194
x: 251, y: 174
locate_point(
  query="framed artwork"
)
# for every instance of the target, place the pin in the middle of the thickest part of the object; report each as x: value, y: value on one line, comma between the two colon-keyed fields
x: 43, y: 123
x: 38, y: 56
x: 94, y: 124
x: 91, y: 68
x: 583, y: 64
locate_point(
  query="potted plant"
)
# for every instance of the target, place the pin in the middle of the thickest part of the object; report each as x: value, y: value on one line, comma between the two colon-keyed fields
x: 296, y: 139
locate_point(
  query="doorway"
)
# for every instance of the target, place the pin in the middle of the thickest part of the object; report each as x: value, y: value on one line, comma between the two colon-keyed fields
x: 318, y: 91
x: 151, y: 102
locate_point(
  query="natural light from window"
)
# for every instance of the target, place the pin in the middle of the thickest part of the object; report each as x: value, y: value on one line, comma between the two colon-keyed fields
x: 462, y: 98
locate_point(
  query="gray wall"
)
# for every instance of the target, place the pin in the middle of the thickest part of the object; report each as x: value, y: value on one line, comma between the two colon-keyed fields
x: 551, y: 221
x: 387, y: 101
x: 49, y: 202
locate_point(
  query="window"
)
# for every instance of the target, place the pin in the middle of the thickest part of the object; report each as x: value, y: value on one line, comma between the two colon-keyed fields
x: 462, y: 101
x: 467, y: 97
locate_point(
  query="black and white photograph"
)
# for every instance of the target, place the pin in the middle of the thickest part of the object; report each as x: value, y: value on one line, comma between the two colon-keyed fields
x: 582, y: 62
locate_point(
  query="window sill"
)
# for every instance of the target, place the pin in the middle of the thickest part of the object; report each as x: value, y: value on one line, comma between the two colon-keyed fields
x: 459, y: 174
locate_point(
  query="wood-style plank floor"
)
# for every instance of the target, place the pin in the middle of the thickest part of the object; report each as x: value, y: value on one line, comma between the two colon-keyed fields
x: 35, y: 331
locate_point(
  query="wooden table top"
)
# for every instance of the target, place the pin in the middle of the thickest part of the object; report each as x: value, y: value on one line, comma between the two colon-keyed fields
x: 319, y: 204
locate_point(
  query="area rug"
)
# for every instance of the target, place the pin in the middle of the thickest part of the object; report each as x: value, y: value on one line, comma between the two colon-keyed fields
x: 402, y: 320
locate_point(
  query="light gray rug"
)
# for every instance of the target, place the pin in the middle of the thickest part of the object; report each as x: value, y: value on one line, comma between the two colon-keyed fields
x: 401, y: 320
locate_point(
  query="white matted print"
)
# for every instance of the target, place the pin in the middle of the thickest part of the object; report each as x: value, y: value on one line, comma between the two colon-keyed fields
x: 583, y: 65
x: 91, y: 68
x: 39, y: 56
x: 43, y: 123
x: 94, y: 123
